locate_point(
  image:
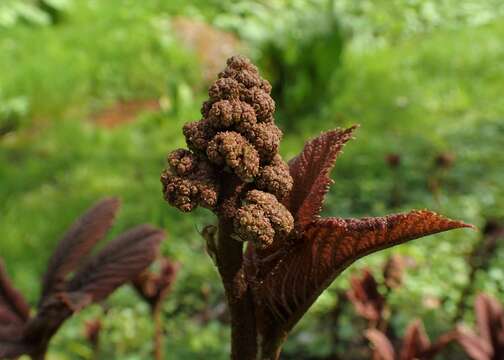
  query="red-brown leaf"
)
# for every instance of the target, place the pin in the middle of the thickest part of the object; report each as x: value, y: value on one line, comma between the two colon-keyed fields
x: 292, y: 280
x: 119, y: 262
x: 415, y: 341
x: 382, y: 346
x: 77, y: 243
x: 310, y: 171
x: 12, y: 303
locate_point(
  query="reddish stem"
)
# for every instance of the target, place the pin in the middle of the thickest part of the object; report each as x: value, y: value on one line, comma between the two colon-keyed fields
x: 158, y: 331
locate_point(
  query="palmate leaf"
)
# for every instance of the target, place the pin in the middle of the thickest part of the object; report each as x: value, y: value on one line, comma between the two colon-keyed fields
x: 13, y: 306
x: 310, y: 172
x: 382, y: 346
x: 290, y: 283
x: 77, y: 243
x: 119, y: 262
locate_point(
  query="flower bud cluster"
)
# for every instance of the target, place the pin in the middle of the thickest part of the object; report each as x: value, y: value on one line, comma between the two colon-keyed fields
x: 237, y: 135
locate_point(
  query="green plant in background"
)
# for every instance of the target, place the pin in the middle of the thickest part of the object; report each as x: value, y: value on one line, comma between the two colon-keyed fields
x: 299, y: 46
x: 32, y: 12
x: 12, y: 113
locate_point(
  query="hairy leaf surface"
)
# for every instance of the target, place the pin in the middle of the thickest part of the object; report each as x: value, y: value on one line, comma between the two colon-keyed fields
x: 310, y: 171
x: 290, y: 283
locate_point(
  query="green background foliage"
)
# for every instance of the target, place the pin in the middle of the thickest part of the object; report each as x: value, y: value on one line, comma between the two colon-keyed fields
x: 423, y: 78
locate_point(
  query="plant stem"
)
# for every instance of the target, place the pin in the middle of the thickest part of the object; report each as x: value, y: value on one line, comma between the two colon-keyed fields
x: 239, y: 296
x: 253, y: 333
x: 158, y: 331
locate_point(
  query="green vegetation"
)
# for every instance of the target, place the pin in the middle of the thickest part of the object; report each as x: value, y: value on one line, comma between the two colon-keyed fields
x: 421, y: 80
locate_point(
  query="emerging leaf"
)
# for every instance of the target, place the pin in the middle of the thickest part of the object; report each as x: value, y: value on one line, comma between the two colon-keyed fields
x: 310, y: 171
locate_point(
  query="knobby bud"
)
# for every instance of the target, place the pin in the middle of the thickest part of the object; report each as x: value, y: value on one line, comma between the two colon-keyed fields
x: 237, y: 135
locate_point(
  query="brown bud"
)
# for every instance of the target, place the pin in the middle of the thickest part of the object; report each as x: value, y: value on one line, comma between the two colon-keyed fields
x: 249, y: 218
x: 182, y: 161
x: 225, y: 113
x: 224, y: 89
x: 233, y: 150
x: 261, y: 101
x: 190, y: 182
x: 252, y: 224
x: 265, y: 137
x: 243, y: 71
x: 275, y: 178
x: 198, y: 134
x: 266, y: 86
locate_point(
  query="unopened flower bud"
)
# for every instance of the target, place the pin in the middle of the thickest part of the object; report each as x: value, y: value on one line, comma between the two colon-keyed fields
x: 275, y: 178
x: 262, y: 214
x: 233, y: 150
x: 225, y: 113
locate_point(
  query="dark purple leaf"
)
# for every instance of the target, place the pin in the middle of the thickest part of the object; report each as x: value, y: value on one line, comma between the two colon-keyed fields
x: 77, y: 243
x: 119, y: 262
